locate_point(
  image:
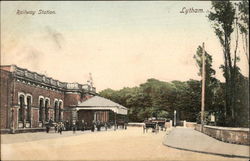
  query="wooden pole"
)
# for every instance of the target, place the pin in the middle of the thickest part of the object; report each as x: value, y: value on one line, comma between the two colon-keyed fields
x: 203, y: 86
x: 115, y: 122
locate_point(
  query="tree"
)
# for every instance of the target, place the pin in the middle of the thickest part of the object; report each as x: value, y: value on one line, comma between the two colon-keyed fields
x: 223, y: 18
x: 156, y: 98
x: 228, y: 18
x: 211, y: 81
x: 243, y: 23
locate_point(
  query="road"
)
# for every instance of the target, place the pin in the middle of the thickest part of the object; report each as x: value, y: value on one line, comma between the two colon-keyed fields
x: 130, y: 144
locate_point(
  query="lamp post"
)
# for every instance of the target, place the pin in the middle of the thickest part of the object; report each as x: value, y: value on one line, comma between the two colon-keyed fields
x: 174, y: 118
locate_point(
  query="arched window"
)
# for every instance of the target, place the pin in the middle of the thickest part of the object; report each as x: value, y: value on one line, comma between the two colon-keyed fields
x: 46, y: 110
x: 28, y: 116
x: 60, y: 110
x: 41, y: 109
x: 21, y: 109
x: 55, y: 111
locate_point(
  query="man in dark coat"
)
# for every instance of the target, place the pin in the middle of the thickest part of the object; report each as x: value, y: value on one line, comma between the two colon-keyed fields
x: 47, y: 127
x: 74, y: 127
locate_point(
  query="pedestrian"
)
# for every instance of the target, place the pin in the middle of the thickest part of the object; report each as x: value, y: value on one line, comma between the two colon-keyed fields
x: 67, y: 125
x: 60, y: 127
x: 83, y: 125
x: 56, y: 127
x: 47, y: 127
x: 93, y: 126
x: 106, y: 126
x: 98, y: 125
x: 50, y: 122
x: 74, y: 127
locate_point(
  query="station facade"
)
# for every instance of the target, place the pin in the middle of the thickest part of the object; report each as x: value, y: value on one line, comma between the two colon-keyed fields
x: 29, y: 99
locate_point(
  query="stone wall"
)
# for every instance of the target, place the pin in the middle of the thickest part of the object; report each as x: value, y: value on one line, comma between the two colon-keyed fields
x: 226, y: 134
x: 190, y: 124
x: 169, y: 124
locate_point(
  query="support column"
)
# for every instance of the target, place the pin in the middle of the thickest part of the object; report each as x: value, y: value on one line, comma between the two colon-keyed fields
x: 31, y: 116
x: 115, y: 123
x: 43, y: 113
x: 12, y: 121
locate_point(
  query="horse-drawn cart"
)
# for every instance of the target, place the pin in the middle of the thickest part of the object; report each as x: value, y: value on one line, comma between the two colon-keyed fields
x: 161, y: 123
x: 155, y: 125
x: 150, y: 125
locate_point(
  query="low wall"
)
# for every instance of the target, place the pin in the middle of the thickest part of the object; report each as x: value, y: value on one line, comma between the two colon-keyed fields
x: 191, y: 124
x: 139, y: 124
x: 168, y: 124
x: 135, y: 124
x: 226, y: 134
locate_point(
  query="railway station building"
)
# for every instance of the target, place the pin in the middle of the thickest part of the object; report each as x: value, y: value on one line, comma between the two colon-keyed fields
x: 29, y: 100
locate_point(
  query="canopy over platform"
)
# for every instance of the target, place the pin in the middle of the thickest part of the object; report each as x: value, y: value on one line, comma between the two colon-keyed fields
x: 100, y: 103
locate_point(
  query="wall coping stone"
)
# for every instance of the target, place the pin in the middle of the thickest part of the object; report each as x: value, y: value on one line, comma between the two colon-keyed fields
x: 227, y: 128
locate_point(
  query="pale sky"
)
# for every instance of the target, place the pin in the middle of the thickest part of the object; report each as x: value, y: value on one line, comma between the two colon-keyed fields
x: 121, y: 43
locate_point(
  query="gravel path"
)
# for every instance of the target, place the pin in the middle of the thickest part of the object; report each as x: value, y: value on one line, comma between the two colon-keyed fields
x: 130, y: 144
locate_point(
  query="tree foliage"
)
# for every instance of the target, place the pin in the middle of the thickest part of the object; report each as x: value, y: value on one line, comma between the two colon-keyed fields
x: 156, y: 98
x: 226, y: 20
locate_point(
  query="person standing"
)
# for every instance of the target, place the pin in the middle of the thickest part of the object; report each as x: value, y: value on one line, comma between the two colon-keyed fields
x: 83, y: 125
x: 106, y: 126
x: 50, y: 122
x: 93, y: 126
x: 60, y: 127
x: 67, y: 125
x: 74, y: 127
x: 56, y: 127
x: 47, y: 127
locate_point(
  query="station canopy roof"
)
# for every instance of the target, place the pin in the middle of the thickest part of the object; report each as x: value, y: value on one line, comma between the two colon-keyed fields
x: 100, y: 103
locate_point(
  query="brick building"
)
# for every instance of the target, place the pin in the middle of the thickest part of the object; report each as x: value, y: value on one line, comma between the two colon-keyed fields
x: 29, y: 99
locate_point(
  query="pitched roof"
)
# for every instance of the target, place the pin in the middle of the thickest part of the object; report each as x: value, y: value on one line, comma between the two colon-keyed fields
x: 100, y: 103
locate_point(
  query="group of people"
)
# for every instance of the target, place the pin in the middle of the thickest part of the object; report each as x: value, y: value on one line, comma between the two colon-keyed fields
x: 66, y: 125
x: 59, y: 127
x: 75, y: 125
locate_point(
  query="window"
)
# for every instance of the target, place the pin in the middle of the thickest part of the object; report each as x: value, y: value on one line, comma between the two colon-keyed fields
x: 41, y: 109
x: 46, y: 110
x: 21, y: 109
x: 55, y: 111
x: 60, y: 110
x: 28, y: 116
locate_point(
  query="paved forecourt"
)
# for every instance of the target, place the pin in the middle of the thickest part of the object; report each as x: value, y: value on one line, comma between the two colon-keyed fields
x: 130, y: 144
x: 192, y: 140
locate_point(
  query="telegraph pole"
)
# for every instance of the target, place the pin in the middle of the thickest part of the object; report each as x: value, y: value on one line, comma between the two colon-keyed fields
x: 203, y: 86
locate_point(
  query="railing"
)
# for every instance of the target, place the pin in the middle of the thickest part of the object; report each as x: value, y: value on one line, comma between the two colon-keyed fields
x: 19, y: 72
x: 39, y: 77
x: 50, y: 81
x: 73, y: 86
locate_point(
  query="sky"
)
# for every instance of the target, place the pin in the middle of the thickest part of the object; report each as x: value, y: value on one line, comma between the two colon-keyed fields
x: 121, y: 43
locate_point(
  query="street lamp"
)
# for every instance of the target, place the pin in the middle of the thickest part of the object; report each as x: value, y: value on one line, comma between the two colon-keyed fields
x: 174, y: 118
